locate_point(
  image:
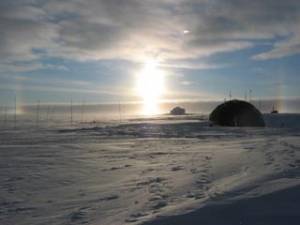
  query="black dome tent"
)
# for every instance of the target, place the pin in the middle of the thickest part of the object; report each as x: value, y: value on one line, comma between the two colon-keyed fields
x: 237, y: 113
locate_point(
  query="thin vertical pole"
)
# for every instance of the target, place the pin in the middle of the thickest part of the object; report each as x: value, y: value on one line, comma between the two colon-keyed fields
x: 47, y: 114
x: 37, y: 114
x: 120, y: 115
x: 71, y: 112
x: 82, y: 111
x: 2, y: 113
x: 230, y: 95
x: 15, y: 116
x: 53, y: 113
x: 5, y: 115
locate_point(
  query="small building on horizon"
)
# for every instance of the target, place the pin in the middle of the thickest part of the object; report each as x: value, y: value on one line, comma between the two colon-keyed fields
x: 177, y: 111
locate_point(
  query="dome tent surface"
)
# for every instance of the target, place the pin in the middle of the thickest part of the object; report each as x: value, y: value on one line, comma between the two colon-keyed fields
x: 177, y: 111
x: 237, y: 113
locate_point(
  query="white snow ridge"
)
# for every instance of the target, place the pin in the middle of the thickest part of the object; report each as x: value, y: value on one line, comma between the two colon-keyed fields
x: 162, y: 171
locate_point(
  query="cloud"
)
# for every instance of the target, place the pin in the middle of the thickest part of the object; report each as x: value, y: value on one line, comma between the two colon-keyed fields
x: 290, y: 46
x: 24, y: 29
x: 45, y: 84
x: 186, y: 83
x: 28, y: 66
x: 135, y: 30
x: 20, y: 67
x: 191, y: 65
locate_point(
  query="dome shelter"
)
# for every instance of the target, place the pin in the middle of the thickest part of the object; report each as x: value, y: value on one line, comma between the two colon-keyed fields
x: 237, y: 113
x: 177, y: 111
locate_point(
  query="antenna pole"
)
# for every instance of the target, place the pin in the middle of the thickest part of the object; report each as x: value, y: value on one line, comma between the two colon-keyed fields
x: 71, y: 112
x: 15, y: 116
x: 2, y: 113
x: 47, y: 115
x: 52, y: 113
x: 37, y: 114
x: 82, y: 111
x: 120, y: 115
x: 5, y: 115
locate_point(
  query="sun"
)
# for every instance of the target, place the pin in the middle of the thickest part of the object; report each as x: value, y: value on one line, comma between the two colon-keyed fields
x: 151, y: 86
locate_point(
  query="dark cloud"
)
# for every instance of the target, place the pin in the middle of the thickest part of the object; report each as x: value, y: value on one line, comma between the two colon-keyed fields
x: 135, y: 30
x: 24, y: 28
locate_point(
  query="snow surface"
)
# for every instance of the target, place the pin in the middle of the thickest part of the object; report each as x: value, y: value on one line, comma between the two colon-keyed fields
x: 165, y: 170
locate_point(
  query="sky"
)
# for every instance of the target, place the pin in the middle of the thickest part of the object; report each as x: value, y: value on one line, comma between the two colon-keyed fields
x: 96, y: 50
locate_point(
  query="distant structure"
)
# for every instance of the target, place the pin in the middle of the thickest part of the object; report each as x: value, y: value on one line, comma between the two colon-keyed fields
x: 274, y: 111
x: 237, y: 113
x: 177, y: 111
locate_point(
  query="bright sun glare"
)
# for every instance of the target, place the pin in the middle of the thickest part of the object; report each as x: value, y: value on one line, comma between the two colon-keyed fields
x: 150, y: 86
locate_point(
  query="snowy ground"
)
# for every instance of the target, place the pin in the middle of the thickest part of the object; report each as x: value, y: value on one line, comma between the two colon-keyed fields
x: 151, y: 172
